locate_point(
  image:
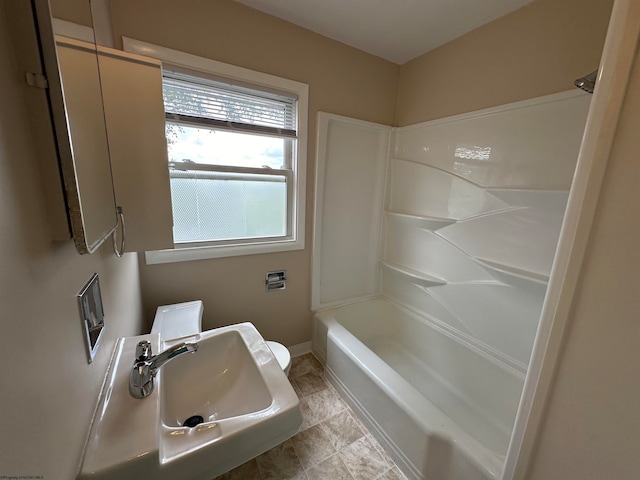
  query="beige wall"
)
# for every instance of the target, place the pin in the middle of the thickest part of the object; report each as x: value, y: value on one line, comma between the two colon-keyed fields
x: 592, y: 426
x: 76, y: 11
x: 536, y: 50
x: 341, y: 80
x: 47, y: 389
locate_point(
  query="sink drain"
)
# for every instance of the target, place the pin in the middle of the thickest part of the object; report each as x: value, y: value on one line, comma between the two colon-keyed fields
x: 193, y: 421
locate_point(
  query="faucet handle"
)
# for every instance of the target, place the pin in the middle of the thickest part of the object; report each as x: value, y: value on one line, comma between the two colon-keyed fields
x: 143, y: 351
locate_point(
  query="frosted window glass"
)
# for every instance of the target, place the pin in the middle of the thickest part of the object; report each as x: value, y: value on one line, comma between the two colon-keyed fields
x: 207, y: 209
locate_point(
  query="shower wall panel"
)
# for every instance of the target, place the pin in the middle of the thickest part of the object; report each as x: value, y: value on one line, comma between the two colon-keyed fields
x: 350, y: 172
x: 529, y: 144
x: 473, y: 212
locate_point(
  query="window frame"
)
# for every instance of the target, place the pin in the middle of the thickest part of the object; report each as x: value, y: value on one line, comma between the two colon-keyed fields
x: 296, y: 241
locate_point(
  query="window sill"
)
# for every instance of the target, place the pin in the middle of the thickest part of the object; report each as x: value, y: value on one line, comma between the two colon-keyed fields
x: 208, y: 252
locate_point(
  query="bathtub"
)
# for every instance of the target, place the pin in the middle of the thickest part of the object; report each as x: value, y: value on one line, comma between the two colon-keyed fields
x: 441, y: 408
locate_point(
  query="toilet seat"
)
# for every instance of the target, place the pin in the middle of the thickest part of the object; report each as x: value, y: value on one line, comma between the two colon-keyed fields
x: 282, y: 355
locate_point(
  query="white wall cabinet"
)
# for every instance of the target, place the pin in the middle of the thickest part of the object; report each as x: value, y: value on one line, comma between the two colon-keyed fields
x: 134, y: 111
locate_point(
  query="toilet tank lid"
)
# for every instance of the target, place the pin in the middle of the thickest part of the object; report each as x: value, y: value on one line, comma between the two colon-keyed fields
x: 178, y: 320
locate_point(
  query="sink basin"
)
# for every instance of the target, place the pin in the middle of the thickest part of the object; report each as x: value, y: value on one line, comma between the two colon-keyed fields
x: 234, y: 388
x: 221, y: 380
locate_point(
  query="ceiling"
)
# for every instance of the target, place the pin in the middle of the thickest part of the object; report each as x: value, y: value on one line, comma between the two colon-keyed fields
x: 396, y: 30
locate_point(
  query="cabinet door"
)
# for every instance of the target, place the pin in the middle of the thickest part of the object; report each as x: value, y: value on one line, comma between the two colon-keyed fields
x: 83, y: 146
x: 134, y: 110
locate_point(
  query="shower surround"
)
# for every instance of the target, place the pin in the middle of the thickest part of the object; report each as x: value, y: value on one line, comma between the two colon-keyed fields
x: 433, y: 245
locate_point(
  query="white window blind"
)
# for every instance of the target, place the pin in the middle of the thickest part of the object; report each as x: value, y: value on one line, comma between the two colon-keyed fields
x: 203, y: 101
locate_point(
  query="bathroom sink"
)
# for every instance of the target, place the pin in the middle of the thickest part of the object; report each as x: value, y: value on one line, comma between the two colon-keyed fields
x: 220, y: 381
x: 210, y: 411
x: 235, y: 389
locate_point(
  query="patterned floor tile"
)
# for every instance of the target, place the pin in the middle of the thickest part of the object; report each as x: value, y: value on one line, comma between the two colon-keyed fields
x: 332, y: 443
x: 309, y: 383
x: 363, y: 460
x: 279, y: 463
x: 246, y: 471
x: 325, y: 404
x: 308, y: 417
x: 304, y: 364
x: 330, y: 469
x: 383, y: 453
x: 342, y: 430
x: 312, y: 446
x: 393, y: 473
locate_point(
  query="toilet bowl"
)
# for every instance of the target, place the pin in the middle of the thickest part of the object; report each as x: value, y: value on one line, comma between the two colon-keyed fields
x: 184, y: 319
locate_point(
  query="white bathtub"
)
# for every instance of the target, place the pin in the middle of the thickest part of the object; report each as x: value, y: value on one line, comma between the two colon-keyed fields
x: 442, y: 409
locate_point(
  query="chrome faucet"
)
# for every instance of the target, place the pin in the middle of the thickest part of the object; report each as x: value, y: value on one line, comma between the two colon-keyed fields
x: 146, y: 366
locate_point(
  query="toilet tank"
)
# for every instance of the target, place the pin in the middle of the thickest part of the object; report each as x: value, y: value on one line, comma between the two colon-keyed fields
x: 178, y: 320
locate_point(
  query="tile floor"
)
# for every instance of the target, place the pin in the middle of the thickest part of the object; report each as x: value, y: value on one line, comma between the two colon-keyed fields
x: 332, y: 443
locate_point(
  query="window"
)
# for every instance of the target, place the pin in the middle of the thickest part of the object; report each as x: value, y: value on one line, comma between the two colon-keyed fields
x: 237, y: 157
x: 230, y: 160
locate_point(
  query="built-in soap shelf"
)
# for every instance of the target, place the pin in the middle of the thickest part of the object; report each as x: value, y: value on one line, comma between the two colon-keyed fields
x: 420, y: 221
x: 509, y: 230
x: 506, y: 273
x: 503, y: 274
x: 521, y: 240
x: 424, y: 191
x: 505, y: 310
x: 479, y: 282
x: 410, y: 248
x: 417, y: 277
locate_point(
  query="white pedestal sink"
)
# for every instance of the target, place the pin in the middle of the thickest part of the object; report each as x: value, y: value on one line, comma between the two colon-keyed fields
x: 233, y: 382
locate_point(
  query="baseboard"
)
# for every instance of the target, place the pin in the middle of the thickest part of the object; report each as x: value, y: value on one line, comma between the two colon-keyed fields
x: 300, y: 349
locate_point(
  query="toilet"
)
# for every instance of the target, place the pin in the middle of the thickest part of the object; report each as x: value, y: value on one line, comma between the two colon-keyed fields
x: 183, y: 319
x: 282, y: 355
